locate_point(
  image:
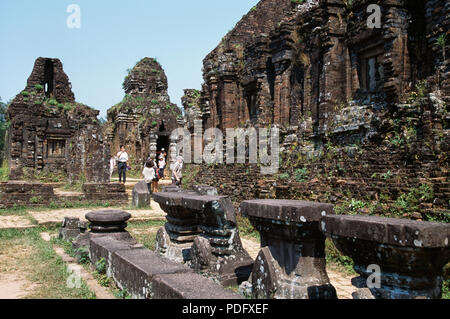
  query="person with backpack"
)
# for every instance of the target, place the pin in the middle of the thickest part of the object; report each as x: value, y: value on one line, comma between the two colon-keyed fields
x: 149, y: 174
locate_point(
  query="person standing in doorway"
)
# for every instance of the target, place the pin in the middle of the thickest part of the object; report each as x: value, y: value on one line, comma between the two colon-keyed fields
x: 162, y: 166
x: 177, y: 172
x: 122, y: 158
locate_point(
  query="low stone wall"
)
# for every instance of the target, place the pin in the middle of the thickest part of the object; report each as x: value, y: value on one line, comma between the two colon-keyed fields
x: 144, y: 274
x: 114, y: 193
x: 16, y: 193
x: 33, y: 194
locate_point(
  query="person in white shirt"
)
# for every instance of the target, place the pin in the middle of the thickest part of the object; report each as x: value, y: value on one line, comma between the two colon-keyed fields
x: 162, y: 166
x: 149, y: 174
x: 122, y: 158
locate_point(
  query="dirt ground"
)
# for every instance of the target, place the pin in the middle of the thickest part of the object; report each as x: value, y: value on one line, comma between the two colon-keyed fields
x: 13, y: 270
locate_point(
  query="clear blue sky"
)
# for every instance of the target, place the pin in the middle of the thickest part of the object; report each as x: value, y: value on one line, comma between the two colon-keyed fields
x: 114, y: 35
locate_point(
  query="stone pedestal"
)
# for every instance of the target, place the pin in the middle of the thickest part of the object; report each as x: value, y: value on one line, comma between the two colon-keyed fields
x: 141, y: 195
x: 105, y: 223
x: 291, y: 263
x: 410, y: 255
x: 213, y: 245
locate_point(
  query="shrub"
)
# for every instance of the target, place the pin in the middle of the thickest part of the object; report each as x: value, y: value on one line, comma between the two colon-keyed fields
x: 35, y: 200
x: 301, y: 174
x: 25, y: 93
x: 284, y: 176
x: 68, y: 107
x: 38, y: 87
x: 100, y: 266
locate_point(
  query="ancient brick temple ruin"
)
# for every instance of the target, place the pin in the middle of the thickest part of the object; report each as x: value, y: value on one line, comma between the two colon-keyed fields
x: 144, y: 120
x: 299, y: 65
x: 51, y: 132
x: 362, y: 112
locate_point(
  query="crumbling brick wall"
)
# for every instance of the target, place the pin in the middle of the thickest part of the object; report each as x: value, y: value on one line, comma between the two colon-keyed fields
x: 45, y: 124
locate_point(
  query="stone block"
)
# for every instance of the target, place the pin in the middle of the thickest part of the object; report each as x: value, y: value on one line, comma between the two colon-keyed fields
x: 141, y: 195
x: 134, y: 270
x: 407, y: 256
x: 291, y: 263
x: 104, y: 247
x: 188, y: 286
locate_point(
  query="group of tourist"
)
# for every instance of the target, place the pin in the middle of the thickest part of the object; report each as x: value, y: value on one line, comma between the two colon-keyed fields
x: 153, y: 170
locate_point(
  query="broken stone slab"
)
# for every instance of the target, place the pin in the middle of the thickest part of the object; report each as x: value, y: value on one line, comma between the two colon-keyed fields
x: 135, y: 269
x: 104, y: 223
x: 141, y: 195
x: 71, y: 228
x: 291, y: 263
x: 407, y: 256
x: 189, y: 286
x: 208, y: 223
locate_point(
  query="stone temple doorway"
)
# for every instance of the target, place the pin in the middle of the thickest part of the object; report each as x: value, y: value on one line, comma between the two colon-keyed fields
x: 163, y: 142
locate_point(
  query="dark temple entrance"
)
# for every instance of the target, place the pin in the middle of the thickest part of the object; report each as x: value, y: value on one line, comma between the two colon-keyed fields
x: 163, y: 141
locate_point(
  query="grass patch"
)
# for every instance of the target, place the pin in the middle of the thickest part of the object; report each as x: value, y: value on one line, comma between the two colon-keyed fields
x: 41, y: 266
x: 335, y: 258
x: 145, y: 233
x: 4, y: 172
x: 245, y: 227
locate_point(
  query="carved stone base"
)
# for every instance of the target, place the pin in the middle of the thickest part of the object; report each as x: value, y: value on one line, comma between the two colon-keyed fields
x: 229, y: 270
x: 179, y: 252
x: 270, y: 280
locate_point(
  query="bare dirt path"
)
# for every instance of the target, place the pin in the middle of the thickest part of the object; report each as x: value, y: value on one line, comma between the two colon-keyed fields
x: 13, y: 282
x: 14, y: 286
